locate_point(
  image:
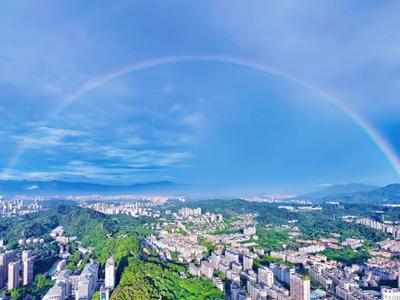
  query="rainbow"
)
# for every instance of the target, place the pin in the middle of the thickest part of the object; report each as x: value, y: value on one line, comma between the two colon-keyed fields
x: 90, y: 85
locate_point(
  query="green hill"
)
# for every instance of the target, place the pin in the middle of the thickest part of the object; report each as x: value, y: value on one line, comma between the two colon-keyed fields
x: 88, y: 225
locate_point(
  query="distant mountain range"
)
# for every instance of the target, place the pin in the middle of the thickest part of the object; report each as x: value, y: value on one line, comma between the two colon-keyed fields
x: 350, y: 193
x: 55, y: 187
x: 358, y: 193
x: 338, y: 189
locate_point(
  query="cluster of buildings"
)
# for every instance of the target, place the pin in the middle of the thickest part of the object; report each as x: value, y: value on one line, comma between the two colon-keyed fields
x: 231, y: 264
x: 196, y: 222
x: 230, y: 267
x: 135, y: 209
x: 186, y: 212
x: 155, y: 199
x: 300, y: 208
x: 388, y: 248
x: 321, y: 244
x: 16, y: 272
x: 18, y: 207
x: 82, y: 286
x: 168, y: 244
x: 355, y: 282
x: 236, y: 266
x: 277, y: 198
x: 394, y: 230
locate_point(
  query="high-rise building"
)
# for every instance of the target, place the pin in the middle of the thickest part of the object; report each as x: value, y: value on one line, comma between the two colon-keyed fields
x: 265, y: 276
x: 27, y: 267
x: 13, y: 274
x: 247, y: 262
x: 231, y: 255
x: 206, y: 269
x: 87, y: 282
x: 110, y: 273
x: 299, y: 287
x: 215, y: 259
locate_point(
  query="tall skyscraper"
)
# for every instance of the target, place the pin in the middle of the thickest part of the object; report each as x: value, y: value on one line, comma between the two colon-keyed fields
x: 27, y: 267
x: 110, y: 273
x: 13, y: 274
x: 299, y: 287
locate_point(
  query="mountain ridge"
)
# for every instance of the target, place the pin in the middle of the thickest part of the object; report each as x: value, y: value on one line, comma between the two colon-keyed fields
x: 338, y: 189
x: 36, y: 187
x: 387, y: 194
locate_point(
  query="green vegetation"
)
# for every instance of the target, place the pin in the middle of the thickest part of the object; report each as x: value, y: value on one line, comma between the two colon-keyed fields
x: 347, y: 255
x: 39, y: 288
x: 314, y: 228
x: 272, y: 238
x: 128, y: 226
x: 220, y: 275
x: 228, y: 227
x: 149, y: 278
x: 118, y: 247
x: 155, y: 279
x: 368, y: 245
x: 89, y: 226
x: 203, y: 242
x: 267, y: 260
x: 76, y: 256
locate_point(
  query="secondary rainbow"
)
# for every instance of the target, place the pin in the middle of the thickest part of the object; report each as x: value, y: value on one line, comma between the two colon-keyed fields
x: 90, y: 85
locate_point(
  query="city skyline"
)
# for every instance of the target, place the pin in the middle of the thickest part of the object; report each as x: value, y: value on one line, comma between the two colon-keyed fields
x: 132, y: 92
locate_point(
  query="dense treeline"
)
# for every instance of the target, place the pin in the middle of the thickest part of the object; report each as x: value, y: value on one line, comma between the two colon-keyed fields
x: 347, y: 255
x: 88, y: 225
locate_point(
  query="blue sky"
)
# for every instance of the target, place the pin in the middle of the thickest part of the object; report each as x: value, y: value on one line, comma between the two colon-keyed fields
x: 202, y: 122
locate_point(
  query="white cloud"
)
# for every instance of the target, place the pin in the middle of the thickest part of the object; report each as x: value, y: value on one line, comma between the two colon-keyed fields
x: 44, y: 137
x: 168, y: 88
x: 194, y: 119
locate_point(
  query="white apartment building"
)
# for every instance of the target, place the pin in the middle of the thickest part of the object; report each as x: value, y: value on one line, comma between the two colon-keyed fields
x: 265, y: 276
x: 299, y: 287
x: 110, y: 274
